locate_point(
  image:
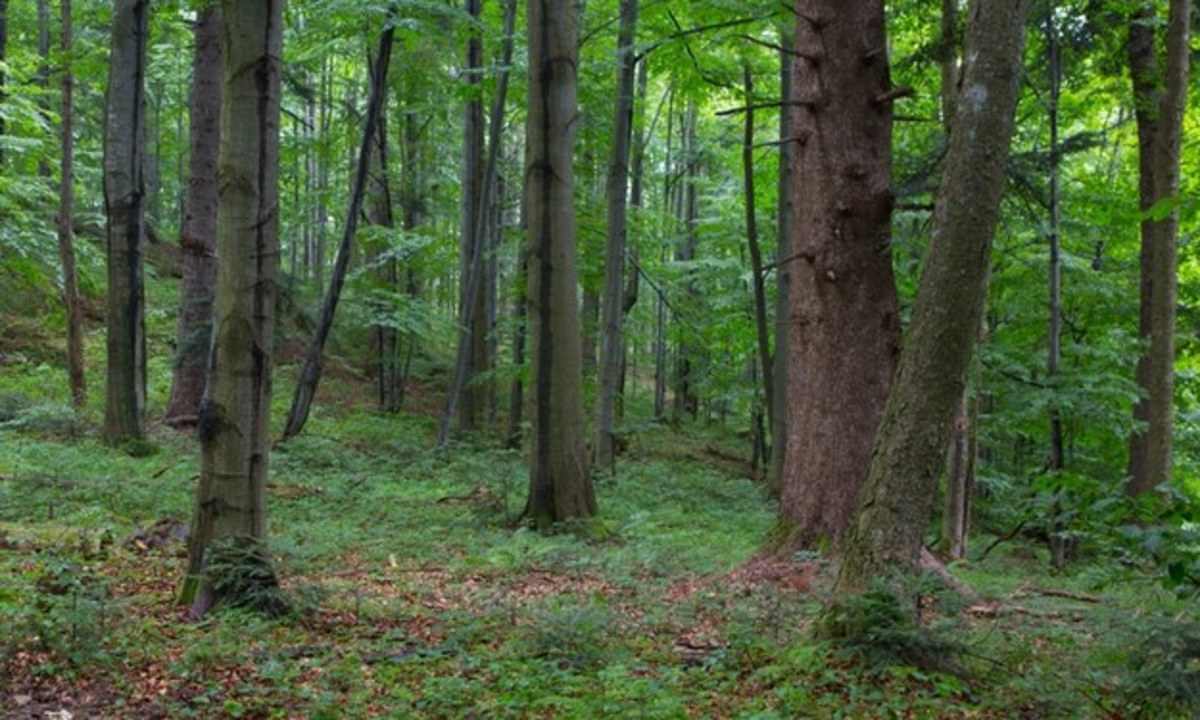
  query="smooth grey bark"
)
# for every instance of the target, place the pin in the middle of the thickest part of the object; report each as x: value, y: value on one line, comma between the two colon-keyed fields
x: 617, y: 190
x: 235, y: 413
x: 885, y: 540
x: 560, y: 488
x: 843, y: 320
x: 314, y: 361
x: 197, y: 237
x: 72, y: 303
x: 472, y: 277
x: 124, y: 148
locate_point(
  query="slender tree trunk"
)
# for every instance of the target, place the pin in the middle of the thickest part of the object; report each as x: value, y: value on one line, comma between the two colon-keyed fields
x: 783, y: 250
x: 660, y: 304
x: 560, y: 488
x: 686, y: 401
x: 197, y: 237
x: 472, y: 279
x: 72, y: 303
x: 379, y: 213
x: 1147, y: 95
x: 756, y: 262
x: 612, y: 340
x: 470, y: 317
x: 842, y: 316
x: 885, y: 541
x: 3, y: 60
x: 124, y: 146
x: 310, y: 375
x: 236, y: 410
x: 949, y: 62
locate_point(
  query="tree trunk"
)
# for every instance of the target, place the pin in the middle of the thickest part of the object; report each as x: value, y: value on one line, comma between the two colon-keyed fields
x: 885, y: 541
x: 949, y: 62
x: 783, y: 250
x: 124, y: 139
x: 560, y: 488
x: 236, y: 410
x: 310, y: 375
x: 72, y: 303
x: 618, y: 187
x: 3, y: 60
x: 197, y: 237
x: 470, y: 296
x: 686, y: 401
x: 756, y: 263
x: 1147, y: 95
x: 843, y: 322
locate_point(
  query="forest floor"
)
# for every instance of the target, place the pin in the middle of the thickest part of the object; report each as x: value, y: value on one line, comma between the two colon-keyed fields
x: 415, y: 596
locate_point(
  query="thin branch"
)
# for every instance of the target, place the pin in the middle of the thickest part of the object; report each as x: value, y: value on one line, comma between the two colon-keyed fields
x: 765, y: 106
x: 697, y: 30
x: 785, y: 50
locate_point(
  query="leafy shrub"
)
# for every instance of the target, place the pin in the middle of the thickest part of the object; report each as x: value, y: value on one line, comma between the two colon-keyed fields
x: 45, y: 418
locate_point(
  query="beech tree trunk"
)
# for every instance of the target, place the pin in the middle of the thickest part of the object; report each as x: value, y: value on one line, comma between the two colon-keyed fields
x: 560, y: 488
x: 314, y: 361
x: 197, y: 237
x: 885, y: 541
x: 470, y: 298
x: 843, y: 322
x: 235, y: 412
x: 72, y: 303
x: 756, y: 263
x: 783, y: 249
x: 124, y: 148
x: 686, y: 401
x: 612, y: 341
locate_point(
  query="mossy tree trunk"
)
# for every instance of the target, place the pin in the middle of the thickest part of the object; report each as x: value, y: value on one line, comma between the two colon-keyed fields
x: 897, y: 502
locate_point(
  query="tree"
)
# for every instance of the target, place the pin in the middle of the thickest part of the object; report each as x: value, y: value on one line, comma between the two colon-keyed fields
x: 842, y: 318
x: 617, y: 190
x: 197, y: 237
x: 560, y: 488
x: 471, y: 299
x: 235, y: 412
x: 72, y: 302
x: 909, y: 451
x: 1160, y: 358
x: 124, y: 148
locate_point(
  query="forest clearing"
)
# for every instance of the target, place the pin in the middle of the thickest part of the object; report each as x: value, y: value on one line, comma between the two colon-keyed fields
x: 550, y: 359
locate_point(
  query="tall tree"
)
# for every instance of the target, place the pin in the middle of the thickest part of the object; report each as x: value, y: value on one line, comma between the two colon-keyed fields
x: 3, y: 59
x: 910, y: 448
x: 1160, y: 371
x: 124, y: 141
x: 617, y: 190
x: 235, y: 412
x: 560, y: 488
x: 72, y: 303
x: 756, y: 258
x: 314, y: 360
x: 784, y: 213
x: 197, y: 237
x: 842, y: 319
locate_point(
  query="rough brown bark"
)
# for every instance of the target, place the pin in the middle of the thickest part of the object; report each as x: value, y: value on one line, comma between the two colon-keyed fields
x: 197, y: 237
x: 843, y: 322
x: 885, y: 541
x: 560, y: 488
x: 124, y: 141
x: 72, y: 303
x: 612, y: 341
x: 235, y: 412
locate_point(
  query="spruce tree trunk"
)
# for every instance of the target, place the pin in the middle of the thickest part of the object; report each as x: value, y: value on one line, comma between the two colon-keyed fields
x: 235, y: 411
x: 1164, y: 281
x: 560, y: 488
x: 197, y: 237
x: 72, y: 303
x: 612, y: 341
x: 314, y: 361
x: 843, y: 322
x: 1147, y: 95
x: 124, y: 149
x: 885, y: 541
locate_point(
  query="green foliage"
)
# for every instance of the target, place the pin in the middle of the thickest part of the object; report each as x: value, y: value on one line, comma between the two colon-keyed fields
x: 241, y: 575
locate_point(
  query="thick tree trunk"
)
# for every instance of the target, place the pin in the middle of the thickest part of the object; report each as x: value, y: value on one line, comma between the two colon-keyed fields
x: 1147, y: 94
x: 72, y: 303
x: 124, y: 139
x: 236, y: 410
x: 310, y: 375
x: 197, y: 237
x: 885, y: 541
x: 560, y: 488
x: 612, y: 341
x: 842, y: 316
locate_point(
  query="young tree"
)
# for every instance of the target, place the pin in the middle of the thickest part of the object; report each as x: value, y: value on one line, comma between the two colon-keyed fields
x: 560, y: 488
x: 909, y: 452
x: 197, y: 237
x: 235, y: 412
x: 72, y: 303
x: 471, y: 299
x: 124, y: 140
x: 613, y: 310
x: 842, y: 317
